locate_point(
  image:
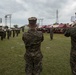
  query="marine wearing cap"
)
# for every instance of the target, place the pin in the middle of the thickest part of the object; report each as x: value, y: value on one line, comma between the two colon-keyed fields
x: 32, y: 21
x: 33, y: 56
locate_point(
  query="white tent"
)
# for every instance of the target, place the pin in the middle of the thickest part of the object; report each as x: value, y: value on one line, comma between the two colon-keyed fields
x: 55, y: 26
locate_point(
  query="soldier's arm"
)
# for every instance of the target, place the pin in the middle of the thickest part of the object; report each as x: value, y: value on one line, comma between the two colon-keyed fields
x: 67, y: 32
x: 23, y: 37
x: 42, y: 37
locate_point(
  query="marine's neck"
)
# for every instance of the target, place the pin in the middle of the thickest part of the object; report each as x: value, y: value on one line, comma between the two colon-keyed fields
x: 32, y: 29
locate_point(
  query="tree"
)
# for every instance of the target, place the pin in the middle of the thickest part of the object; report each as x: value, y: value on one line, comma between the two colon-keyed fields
x: 16, y: 26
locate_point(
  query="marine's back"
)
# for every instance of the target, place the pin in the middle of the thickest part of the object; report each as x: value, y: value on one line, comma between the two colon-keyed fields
x: 32, y: 40
x: 72, y: 33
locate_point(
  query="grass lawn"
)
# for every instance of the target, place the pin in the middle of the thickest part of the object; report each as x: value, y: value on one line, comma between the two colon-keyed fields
x: 56, y: 55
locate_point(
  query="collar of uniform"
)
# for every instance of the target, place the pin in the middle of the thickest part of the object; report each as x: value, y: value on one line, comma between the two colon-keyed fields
x: 32, y: 30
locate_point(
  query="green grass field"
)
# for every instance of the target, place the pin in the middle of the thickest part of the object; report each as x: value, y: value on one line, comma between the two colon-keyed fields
x: 56, y: 55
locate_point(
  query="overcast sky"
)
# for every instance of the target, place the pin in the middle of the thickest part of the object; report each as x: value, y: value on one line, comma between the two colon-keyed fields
x: 21, y: 10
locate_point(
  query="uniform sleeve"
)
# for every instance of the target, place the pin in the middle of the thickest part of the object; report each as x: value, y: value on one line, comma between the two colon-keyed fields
x: 67, y: 32
x: 42, y: 37
x: 23, y: 37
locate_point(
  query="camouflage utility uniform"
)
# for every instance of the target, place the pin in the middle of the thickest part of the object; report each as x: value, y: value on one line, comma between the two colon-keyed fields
x: 72, y: 33
x: 33, y: 55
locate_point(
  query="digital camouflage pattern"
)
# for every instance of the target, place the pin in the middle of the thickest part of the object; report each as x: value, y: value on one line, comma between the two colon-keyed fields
x: 72, y: 33
x: 33, y: 55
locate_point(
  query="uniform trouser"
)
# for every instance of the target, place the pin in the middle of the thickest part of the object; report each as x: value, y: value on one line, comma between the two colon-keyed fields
x: 73, y: 63
x: 33, y: 66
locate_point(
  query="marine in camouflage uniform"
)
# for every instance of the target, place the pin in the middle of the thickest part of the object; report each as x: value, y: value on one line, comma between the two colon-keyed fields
x: 72, y: 33
x: 13, y: 32
x: 51, y: 33
x: 1, y: 33
x: 33, y: 56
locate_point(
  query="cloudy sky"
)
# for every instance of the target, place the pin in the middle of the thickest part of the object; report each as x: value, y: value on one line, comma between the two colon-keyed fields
x: 42, y: 9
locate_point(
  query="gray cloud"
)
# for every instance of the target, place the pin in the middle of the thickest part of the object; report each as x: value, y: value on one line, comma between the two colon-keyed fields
x: 46, y: 9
